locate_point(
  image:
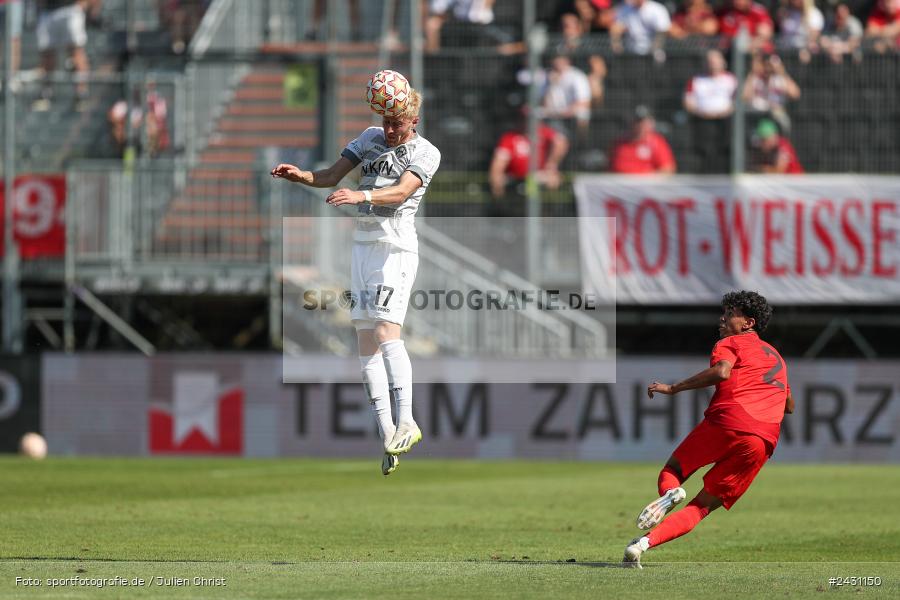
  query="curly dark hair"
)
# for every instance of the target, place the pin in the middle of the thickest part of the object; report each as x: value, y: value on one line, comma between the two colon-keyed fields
x: 752, y: 305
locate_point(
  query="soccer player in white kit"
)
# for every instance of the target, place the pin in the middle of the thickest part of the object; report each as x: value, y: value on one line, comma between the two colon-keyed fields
x: 397, y: 166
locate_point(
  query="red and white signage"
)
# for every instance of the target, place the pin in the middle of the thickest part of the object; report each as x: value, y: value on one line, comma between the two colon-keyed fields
x: 795, y: 239
x: 40, y: 206
x: 203, y: 418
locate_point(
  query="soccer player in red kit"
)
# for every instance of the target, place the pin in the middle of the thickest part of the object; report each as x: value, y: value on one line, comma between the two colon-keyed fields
x: 739, y: 431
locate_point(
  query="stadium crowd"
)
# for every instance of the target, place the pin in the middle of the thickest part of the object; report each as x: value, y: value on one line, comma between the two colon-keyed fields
x: 642, y: 26
x: 588, y: 37
x: 587, y: 34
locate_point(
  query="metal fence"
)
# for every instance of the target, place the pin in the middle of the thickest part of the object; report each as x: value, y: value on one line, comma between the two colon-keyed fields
x: 144, y: 218
x: 60, y: 119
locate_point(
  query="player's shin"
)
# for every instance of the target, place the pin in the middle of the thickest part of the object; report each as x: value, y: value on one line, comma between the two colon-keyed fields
x: 375, y: 380
x: 669, y: 479
x: 679, y: 523
x: 399, y: 370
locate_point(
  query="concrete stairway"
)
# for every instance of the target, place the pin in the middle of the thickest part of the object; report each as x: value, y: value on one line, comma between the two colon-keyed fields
x: 219, y: 213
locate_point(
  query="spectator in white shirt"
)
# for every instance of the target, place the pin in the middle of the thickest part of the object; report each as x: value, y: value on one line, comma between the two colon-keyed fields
x: 709, y: 98
x: 800, y: 23
x: 711, y: 94
x: 768, y: 88
x: 473, y: 12
x: 642, y: 23
x: 567, y: 95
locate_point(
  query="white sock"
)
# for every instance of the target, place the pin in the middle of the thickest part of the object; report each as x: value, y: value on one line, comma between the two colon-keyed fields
x: 375, y: 380
x: 399, y: 371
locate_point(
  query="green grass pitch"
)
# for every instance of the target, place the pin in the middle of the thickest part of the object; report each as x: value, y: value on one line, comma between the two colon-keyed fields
x: 435, y: 529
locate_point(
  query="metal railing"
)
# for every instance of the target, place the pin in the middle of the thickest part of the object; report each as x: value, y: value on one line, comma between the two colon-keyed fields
x: 54, y: 124
x: 142, y: 219
x: 231, y: 27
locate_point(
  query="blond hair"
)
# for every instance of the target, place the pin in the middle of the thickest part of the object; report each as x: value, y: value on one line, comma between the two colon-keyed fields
x: 411, y: 110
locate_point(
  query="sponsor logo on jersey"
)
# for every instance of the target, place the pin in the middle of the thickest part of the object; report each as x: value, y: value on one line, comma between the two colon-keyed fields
x: 382, y: 167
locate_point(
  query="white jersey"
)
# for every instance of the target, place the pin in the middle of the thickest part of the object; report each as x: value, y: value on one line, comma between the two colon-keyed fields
x: 382, y: 166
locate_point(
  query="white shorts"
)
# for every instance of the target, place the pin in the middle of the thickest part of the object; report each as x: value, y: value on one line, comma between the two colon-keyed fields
x: 381, y: 281
x: 63, y: 28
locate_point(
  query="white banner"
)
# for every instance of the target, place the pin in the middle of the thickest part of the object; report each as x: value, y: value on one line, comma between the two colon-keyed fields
x: 237, y: 405
x: 794, y: 239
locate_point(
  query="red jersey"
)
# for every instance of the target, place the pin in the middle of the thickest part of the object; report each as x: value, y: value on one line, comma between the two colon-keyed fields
x: 783, y: 151
x: 518, y: 147
x: 786, y: 148
x: 883, y: 19
x: 649, y: 155
x: 879, y: 16
x: 730, y: 20
x: 752, y: 399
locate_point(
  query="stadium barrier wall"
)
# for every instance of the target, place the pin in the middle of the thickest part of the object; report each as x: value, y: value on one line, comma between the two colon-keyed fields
x: 237, y: 405
x: 20, y: 399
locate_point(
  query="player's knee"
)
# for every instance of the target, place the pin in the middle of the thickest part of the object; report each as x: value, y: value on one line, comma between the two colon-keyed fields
x: 385, y: 332
x: 706, y: 500
x: 365, y: 335
x: 675, y: 467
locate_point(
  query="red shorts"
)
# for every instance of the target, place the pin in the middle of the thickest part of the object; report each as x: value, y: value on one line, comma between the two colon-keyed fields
x: 738, y: 457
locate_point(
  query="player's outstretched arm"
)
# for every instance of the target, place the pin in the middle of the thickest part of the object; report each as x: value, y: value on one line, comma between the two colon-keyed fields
x: 324, y: 178
x: 717, y: 373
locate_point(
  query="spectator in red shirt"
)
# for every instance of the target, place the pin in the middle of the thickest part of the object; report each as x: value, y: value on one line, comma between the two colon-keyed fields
x: 645, y: 151
x: 594, y: 15
x: 750, y: 14
x: 696, y: 18
x: 509, y: 165
x: 772, y: 152
x: 884, y: 24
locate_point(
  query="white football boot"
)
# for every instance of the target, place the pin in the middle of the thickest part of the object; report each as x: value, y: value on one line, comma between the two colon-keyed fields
x: 653, y: 514
x: 633, y: 552
x: 389, y: 464
x: 406, y: 436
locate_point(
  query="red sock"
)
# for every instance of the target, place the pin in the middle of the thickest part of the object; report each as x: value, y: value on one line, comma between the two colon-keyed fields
x: 677, y: 524
x: 668, y: 479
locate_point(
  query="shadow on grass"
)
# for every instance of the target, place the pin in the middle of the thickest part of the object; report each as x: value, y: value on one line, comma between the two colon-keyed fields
x: 572, y: 563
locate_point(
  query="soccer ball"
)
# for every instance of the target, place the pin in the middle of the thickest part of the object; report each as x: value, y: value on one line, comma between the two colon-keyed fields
x: 33, y: 445
x: 388, y: 93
